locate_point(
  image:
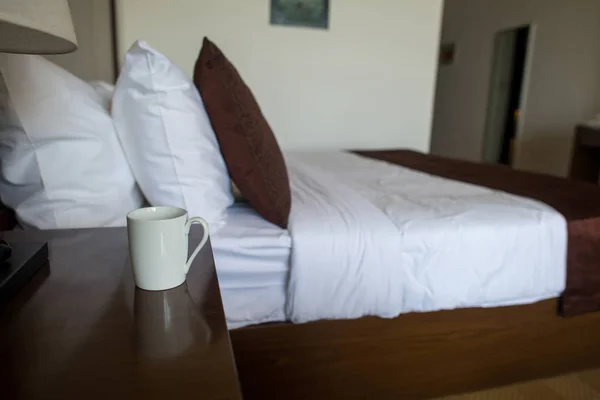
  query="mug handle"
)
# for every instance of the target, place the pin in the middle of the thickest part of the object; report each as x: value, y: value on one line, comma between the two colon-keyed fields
x: 188, y: 225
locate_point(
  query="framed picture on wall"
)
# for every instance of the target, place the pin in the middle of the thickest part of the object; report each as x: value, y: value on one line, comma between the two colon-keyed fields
x: 308, y: 13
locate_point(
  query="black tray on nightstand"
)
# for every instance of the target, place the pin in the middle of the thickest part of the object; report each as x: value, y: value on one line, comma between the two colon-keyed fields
x: 25, y: 261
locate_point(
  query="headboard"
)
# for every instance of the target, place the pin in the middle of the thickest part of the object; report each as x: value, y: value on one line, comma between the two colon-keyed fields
x: 94, y: 27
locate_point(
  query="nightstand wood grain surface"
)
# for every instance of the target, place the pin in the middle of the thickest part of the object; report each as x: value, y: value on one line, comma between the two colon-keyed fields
x: 81, y: 329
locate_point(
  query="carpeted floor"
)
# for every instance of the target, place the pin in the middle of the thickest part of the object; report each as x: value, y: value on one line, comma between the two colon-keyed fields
x: 580, y: 386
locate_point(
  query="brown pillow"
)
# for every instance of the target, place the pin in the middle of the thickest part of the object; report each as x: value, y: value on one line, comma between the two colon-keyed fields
x: 249, y: 148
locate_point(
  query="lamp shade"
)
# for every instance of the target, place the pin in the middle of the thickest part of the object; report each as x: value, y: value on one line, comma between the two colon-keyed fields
x: 36, y: 27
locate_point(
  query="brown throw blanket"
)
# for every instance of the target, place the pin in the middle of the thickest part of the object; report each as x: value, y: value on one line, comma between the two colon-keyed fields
x: 579, y: 202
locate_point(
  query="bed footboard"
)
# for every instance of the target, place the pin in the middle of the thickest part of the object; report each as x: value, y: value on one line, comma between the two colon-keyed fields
x: 415, y: 356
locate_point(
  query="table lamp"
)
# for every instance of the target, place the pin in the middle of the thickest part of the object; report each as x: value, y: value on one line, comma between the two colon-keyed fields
x: 30, y: 27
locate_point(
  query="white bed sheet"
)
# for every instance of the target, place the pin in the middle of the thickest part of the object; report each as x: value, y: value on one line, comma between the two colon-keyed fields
x: 252, y: 262
x: 392, y: 240
x: 389, y: 240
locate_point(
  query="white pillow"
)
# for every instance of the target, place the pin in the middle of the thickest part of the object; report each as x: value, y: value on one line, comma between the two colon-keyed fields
x: 167, y: 136
x: 105, y: 90
x: 61, y: 164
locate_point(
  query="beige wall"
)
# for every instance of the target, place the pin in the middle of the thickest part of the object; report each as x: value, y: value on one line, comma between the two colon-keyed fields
x: 93, y: 60
x: 366, y: 82
x: 562, y: 85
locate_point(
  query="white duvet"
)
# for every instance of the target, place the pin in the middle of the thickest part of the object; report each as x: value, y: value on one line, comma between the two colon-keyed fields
x: 371, y: 238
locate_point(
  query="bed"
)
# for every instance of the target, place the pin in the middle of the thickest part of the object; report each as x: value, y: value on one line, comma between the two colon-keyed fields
x: 422, y: 355
x: 443, y: 243
x: 416, y: 354
x: 369, y: 238
x: 419, y: 354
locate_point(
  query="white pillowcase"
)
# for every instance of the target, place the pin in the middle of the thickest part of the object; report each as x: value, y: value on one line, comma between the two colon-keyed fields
x: 61, y: 164
x: 105, y: 90
x: 167, y: 137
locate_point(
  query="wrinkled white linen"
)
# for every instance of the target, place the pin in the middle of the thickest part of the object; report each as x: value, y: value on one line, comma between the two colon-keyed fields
x: 371, y: 238
x: 252, y: 261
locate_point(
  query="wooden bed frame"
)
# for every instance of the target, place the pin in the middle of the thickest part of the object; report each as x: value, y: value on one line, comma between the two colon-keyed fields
x: 441, y: 353
x: 414, y: 356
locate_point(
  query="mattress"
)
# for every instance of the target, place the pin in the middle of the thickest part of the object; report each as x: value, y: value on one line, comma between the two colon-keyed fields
x: 252, y: 261
x: 423, y: 243
x: 372, y: 238
x: 578, y: 202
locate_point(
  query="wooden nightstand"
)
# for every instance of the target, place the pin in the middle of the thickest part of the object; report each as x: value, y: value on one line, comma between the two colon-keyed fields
x: 81, y: 329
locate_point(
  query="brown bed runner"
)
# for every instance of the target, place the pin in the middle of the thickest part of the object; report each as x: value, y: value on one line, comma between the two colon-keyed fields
x: 579, y: 202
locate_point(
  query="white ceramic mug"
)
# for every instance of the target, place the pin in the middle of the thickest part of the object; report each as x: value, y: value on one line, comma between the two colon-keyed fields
x: 158, y: 246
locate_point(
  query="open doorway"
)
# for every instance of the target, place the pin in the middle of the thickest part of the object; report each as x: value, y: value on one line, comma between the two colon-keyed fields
x: 504, y: 107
